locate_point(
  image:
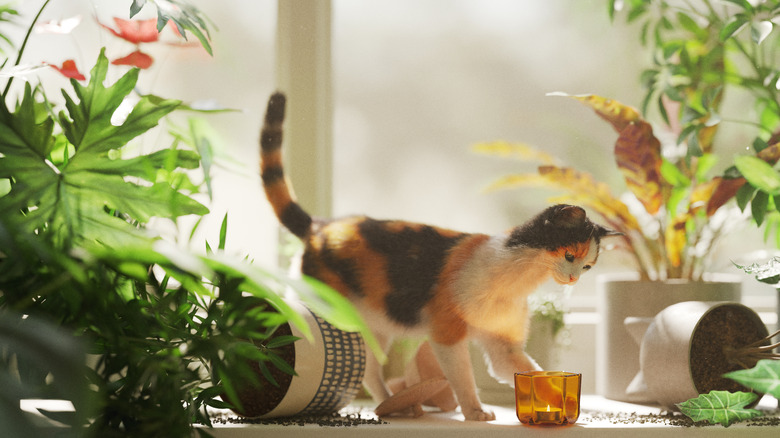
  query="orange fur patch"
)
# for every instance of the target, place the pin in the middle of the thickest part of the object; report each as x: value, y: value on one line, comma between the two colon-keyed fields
x: 578, y: 250
x: 447, y: 325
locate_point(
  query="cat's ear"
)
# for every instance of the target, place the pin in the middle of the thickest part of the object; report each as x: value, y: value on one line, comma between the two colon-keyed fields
x: 607, y: 232
x: 568, y: 216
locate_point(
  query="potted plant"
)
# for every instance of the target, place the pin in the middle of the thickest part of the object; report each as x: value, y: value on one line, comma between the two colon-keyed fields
x: 726, y: 407
x: 675, y: 209
x: 155, y: 331
x: 688, y: 348
x: 308, y: 378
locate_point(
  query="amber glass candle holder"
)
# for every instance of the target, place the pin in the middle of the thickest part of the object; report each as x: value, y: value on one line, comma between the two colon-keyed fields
x: 547, y: 397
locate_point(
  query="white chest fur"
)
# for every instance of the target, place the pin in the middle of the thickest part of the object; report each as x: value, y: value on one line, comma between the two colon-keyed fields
x: 492, y: 290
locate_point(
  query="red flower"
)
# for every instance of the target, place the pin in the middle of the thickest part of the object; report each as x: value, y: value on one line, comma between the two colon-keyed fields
x: 136, y: 59
x: 69, y: 70
x: 136, y: 31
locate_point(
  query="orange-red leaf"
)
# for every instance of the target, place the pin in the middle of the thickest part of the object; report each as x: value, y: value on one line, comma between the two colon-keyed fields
x: 135, y: 31
x: 69, y: 70
x: 770, y: 154
x: 725, y: 190
x: 638, y: 156
x: 135, y: 59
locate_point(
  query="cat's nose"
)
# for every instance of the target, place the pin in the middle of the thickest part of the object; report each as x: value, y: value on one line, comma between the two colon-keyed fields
x: 572, y: 279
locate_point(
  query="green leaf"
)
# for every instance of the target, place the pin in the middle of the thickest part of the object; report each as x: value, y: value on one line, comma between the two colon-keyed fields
x: 687, y: 23
x: 720, y: 407
x: 223, y: 233
x: 281, y: 341
x: 745, y: 195
x: 760, y: 31
x: 136, y: 7
x: 281, y: 364
x: 768, y: 272
x: 50, y: 351
x: 184, y: 16
x: 764, y: 377
x: 87, y: 124
x: 744, y: 4
x: 759, y: 144
x: 87, y: 197
x: 673, y: 175
x: 732, y: 27
x: 759, y: 206
x: 706, y: 163
x: 759, y: 174
x: 611, y: 10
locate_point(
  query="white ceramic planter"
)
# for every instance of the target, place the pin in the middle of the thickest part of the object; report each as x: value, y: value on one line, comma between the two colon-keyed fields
x: 621, y: 296
x: 666, y: 375
x: 329, y: 369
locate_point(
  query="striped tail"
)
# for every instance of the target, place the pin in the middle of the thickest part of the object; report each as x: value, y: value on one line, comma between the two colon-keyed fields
x: 277, y: 190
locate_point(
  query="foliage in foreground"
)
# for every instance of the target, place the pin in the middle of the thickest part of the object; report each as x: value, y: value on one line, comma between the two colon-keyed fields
x: 139, y: 334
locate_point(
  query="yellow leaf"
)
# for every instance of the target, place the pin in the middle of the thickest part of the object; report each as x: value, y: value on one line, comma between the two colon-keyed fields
x: 706, y: 137
x: 703, y: 192
x: 521, y: 180
x: 676, y: 239
x: 520, y: 151
x: 614, y: 112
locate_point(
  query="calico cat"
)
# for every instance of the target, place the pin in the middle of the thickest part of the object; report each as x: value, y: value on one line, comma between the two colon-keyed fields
x: 410, y: 279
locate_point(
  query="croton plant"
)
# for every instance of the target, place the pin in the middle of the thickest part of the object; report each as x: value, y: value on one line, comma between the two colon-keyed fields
x: 676, y: 208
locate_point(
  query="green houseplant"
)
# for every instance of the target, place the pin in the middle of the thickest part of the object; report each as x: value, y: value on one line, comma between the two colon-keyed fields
x: 151, y: 333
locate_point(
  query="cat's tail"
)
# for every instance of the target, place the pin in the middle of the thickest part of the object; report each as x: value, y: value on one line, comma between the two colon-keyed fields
x: 277, y: 188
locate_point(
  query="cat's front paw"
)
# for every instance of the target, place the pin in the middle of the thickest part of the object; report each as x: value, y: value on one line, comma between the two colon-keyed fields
x: 479, y: 415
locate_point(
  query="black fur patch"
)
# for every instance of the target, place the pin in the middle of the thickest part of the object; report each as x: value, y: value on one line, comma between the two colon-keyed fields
x: 415, y: 258
x: 556, y: 227
x: 270, y: 140
x: 271, y: 134
x: 271, y: 175
x: 296, y: 220
x: 275, y: 111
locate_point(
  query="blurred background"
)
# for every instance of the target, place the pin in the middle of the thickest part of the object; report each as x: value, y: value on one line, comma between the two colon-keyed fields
x: 409, y: 88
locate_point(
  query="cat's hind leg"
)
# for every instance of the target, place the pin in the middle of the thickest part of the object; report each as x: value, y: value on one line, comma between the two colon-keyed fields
x: 373, y: 379
x: 456, y: 364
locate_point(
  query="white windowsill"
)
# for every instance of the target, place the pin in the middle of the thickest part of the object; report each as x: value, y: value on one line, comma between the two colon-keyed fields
x: 593, y: 422
x: 452, y: 425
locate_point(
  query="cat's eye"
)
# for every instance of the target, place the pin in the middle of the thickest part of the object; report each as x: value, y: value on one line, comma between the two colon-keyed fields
x: 569, y: 257
x: 586, y: 267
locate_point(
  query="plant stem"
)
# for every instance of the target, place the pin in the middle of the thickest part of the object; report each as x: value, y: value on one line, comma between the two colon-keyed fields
x: 24, y: 45
x: 749, y: 355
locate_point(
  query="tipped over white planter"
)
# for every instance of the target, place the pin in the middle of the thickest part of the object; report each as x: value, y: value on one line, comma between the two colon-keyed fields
x: 622, y: 296
x: 688, y: 346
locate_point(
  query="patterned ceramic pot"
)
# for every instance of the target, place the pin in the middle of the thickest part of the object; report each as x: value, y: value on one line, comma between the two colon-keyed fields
x: 329, y: 370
